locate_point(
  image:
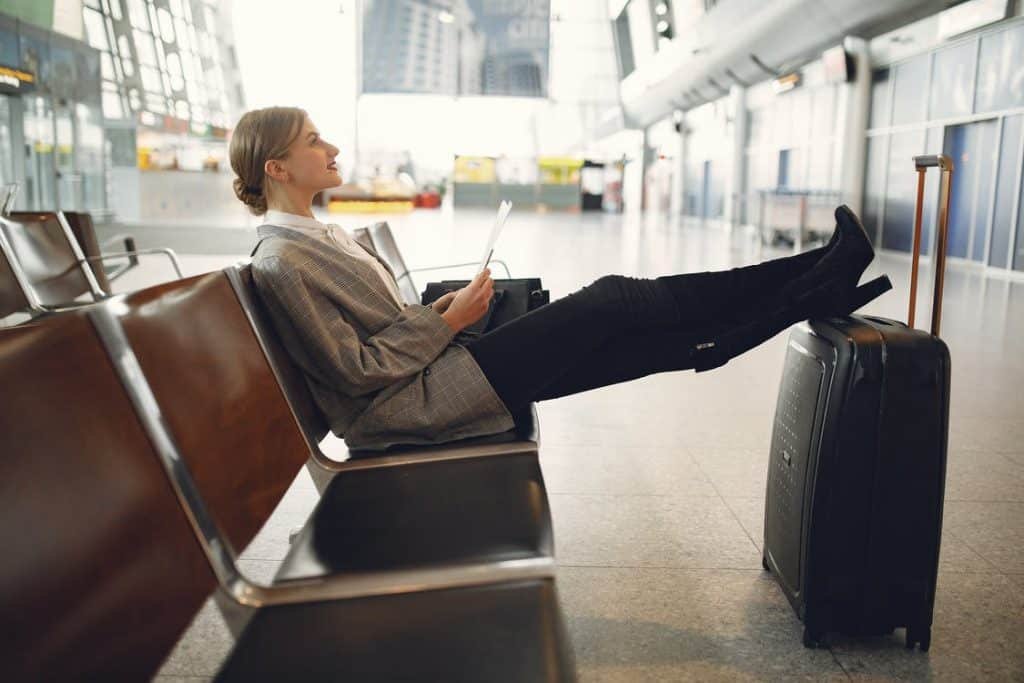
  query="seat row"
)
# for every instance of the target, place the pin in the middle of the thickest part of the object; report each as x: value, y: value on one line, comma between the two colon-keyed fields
x: 148, y: 437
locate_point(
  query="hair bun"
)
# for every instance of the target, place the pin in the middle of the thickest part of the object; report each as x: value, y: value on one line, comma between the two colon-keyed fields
x: 250, y: 196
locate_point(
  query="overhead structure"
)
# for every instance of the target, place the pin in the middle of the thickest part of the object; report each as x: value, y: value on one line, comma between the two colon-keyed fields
x: 741, y: 42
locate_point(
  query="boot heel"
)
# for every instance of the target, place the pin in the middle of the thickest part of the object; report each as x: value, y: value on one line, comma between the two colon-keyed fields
x: 868, y: 292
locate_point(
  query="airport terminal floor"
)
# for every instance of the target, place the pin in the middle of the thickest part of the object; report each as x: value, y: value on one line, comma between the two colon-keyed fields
x: 657, y: 486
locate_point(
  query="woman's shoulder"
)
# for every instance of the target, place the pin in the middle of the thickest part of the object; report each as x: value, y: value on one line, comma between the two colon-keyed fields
x: 280, y: 245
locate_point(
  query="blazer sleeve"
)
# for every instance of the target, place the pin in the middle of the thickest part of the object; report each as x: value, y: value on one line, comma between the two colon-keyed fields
x: 355, y: 367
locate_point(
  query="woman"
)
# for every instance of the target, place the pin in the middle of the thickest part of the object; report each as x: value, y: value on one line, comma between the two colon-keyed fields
x: 385, y: 373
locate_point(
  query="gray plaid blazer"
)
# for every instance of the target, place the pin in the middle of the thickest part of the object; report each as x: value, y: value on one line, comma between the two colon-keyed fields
x: 382, y: 375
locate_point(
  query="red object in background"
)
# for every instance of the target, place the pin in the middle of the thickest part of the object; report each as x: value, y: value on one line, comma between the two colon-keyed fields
x: 427, y: 200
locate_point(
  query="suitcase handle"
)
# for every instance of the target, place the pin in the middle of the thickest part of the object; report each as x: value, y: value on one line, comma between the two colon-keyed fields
x: 922, y: 164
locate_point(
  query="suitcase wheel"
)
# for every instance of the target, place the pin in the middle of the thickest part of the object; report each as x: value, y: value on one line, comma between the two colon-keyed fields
x: 764, y: 563
x: 812, y: 640
x: 915, y: 636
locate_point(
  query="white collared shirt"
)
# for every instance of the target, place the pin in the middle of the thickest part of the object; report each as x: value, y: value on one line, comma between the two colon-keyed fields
x: 336, y: 236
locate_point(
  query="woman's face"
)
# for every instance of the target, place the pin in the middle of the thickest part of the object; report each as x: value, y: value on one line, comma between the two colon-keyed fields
x: 310, y: 161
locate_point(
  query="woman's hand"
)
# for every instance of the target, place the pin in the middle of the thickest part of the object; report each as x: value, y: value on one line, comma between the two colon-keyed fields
x: 442, y: 303
x: 470, y: 303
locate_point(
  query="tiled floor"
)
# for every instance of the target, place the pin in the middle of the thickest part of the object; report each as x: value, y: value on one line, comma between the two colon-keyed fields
x: 657, y: 486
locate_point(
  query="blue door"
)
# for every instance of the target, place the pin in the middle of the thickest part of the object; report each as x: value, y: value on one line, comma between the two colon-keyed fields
x: 972, y: 146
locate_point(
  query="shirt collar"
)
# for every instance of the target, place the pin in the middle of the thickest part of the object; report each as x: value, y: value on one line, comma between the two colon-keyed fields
x: 295, y: 222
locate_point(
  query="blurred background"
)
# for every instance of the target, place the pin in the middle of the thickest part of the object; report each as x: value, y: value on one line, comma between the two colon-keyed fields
x: 750, y: 117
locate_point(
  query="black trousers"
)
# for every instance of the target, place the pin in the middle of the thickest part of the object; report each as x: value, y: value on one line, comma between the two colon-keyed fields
x: 621, y: 328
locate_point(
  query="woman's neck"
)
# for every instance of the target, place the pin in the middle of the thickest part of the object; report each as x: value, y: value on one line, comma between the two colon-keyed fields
x: 289, y: 202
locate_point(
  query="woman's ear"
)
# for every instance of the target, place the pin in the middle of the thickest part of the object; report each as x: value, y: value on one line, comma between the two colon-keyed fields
x: 273, y: 168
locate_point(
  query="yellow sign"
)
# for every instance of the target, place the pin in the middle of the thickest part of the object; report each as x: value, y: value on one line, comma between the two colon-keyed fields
x: 15, y: 79
x: 474, y: 169
x: 559, y: 170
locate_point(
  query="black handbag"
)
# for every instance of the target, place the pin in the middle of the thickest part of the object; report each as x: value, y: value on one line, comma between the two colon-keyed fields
x: 512, y: 298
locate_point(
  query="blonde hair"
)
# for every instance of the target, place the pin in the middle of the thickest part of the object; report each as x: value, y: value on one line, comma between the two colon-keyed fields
x: 261, y: 134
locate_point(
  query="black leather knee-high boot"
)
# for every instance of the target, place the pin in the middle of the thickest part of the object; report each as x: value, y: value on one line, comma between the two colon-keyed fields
x: 726, y: 294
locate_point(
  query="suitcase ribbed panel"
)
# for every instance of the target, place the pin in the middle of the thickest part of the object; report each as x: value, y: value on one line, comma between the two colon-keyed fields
x: 799, y: 395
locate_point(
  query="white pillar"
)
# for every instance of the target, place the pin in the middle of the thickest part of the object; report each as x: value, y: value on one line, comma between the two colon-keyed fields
x: 633, y: 173
x: 855, y: 102
x: 646, y: 157
x: 734, y: 183
x: 675, y: 203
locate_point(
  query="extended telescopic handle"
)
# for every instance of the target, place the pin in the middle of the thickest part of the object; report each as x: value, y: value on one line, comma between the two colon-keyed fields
x: 922, y: 164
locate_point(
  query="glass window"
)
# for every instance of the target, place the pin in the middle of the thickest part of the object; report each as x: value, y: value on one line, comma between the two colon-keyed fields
x: 95, y: 29
x: 115, y: 9
x: 1007, y: 184
x: 968, y: 208
x: 987, y: 158
x: 908, y: 94
x: 107, y: 67
x: 156, y: 103
x: 161, y: 56
x: 901, y: 190
x: 205, y: 48
x: 112, y: 108
x: 198, y: 20
x: 150, y: 79
x: 144, y: 48
x: 154, y: 21
x: 1018, y: 258
x: 881, y: 109
x: 137, y: 14
x: 182, y: 33
x: 210, y: 17
x: 128, y: 66
x: 1001, y: 70
x: 953, y: 81
x: 933, y: 145
x: 124, y: 46
x: 135, y: 99
x: 166, y: 25
x: 174, y: 68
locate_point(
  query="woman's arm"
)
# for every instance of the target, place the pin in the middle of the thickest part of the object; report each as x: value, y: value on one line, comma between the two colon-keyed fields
x: 356, y: 367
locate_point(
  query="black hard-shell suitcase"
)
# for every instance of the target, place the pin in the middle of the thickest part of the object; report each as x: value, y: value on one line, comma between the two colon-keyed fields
x: 857, y: 470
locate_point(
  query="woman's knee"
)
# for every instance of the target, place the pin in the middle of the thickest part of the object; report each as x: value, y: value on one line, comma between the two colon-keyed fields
x: 610, y: 288
x: 626, y: 298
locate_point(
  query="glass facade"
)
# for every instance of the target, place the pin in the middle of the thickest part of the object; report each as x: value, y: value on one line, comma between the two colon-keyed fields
x: 965, y: 99
x: 1007, y: 184
x: 163, y: 58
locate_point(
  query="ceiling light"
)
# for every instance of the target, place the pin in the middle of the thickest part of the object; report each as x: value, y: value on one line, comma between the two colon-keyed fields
x: 785, y: 83
x: 445, y: 17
